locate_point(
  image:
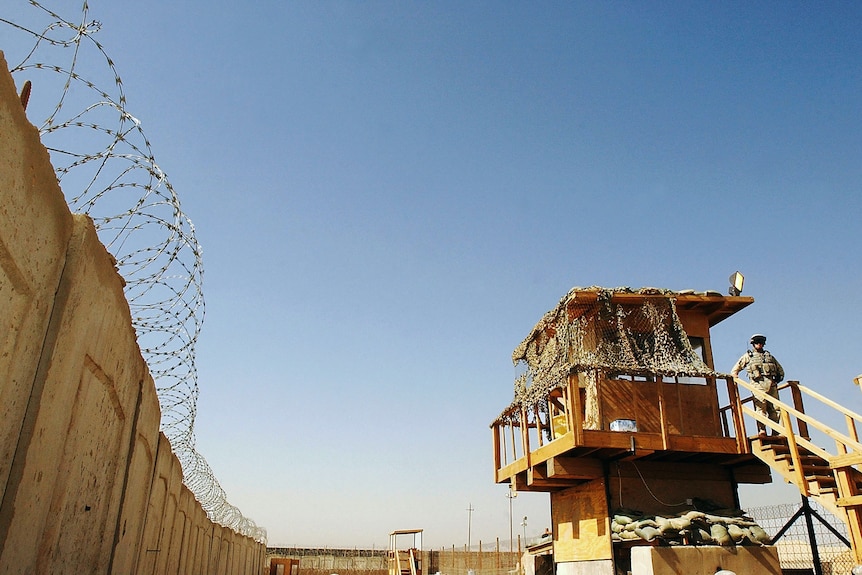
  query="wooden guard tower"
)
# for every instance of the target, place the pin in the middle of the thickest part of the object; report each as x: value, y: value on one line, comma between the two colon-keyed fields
x: 405, y: 552
x: 620, y: 407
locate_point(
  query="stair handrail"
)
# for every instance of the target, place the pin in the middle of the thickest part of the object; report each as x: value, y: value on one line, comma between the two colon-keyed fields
x: 842, y: 440
x: 847, y: 503
x: 850, y: 416
x: 830, y: 403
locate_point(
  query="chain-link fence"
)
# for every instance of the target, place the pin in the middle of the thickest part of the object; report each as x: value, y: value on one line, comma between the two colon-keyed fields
x: 794, y: 526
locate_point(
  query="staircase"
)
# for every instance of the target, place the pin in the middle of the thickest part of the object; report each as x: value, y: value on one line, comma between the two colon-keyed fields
x: 407, y: 562
x: 831, y: 479
x: 811, y: 474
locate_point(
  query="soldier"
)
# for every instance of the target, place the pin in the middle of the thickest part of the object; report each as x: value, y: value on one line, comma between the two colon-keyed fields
x: 764, y: 372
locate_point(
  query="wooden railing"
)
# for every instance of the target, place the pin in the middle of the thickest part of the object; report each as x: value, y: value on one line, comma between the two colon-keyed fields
x: 517, y: 439
x: 521, y: 430
x: 790, y: 416
x: 844, y: 462
x: 529, y: 434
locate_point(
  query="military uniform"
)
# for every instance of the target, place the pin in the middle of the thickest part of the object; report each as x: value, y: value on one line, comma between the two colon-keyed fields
x: 765, y: 373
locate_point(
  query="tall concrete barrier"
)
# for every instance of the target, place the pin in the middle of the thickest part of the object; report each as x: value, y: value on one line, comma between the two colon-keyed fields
x: 89, y: 484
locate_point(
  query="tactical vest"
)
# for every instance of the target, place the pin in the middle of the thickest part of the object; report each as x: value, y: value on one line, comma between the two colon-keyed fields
x: 761, y: 365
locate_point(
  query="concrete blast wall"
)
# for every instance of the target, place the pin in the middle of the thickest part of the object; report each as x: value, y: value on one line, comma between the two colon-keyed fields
x: 88, y: 483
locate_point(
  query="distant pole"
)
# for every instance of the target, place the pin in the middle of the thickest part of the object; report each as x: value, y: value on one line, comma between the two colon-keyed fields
x: 469, y: 522
x: 524, y: 525
x: 511, y: 495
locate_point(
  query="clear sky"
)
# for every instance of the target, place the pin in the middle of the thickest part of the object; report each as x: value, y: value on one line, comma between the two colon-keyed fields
x: 390, y: 194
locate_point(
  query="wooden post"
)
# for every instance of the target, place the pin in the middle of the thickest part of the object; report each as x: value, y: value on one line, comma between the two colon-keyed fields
x: 525, y: 436
x: 736, y: 415
x: 711, y: 382
x: 851, y: 431
x: 539, y: 426
x: 794, y: 453
x: 662, y: 416
x: 573, y: 409
x: 797, y: 405
x: 847, y: 491
x: 497, y: 450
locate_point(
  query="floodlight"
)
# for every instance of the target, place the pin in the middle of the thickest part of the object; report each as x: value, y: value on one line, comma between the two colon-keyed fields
x: 858, y: 379
x: 736, y: 280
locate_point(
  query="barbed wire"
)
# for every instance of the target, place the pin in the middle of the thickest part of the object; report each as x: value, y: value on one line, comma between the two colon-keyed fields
x: 106, y: 169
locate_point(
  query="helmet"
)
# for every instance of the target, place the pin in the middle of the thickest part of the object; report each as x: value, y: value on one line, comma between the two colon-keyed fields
x: 757, y: 338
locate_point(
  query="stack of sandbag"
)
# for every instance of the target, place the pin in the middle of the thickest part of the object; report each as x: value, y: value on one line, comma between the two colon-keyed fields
x: 690, y: 528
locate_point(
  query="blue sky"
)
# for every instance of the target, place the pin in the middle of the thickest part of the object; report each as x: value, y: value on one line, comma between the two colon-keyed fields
x: 390, y: 194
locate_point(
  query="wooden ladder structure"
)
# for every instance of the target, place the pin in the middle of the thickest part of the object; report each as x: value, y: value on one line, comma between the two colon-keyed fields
x: 406, y: 562
x: 831, y: 479
x: 405, y: 559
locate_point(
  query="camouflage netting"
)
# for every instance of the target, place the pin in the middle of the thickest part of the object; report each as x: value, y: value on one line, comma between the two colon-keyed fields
x: 589, y: 332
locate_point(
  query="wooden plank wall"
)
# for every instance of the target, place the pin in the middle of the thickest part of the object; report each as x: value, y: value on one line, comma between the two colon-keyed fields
x: 689, y: 409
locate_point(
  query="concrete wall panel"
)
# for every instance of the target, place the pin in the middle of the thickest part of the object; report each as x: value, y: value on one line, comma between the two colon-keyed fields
x: 705, y: 560
x: 77, y: 449
x: 178, y: 541
x: 182, y: 544
x: 218, y: 554
x: 89, y: 484
x: 199, y: 544
x: 128, y: 537
x: 154, y: 525
x: 35, y: 226
x: 168, y: 531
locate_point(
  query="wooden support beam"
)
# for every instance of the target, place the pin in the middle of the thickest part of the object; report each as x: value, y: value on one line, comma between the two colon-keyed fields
x: 525, y: 437
x: 852, y: 501
x: 573, y: 468
x: 757, y: 473
x: 574, y: 418
x: 498, y: 460
x: 801, y: 482
x: 522, y: 483
x: 703, y: 444
x: 537, y: 479
x: 846, y: 460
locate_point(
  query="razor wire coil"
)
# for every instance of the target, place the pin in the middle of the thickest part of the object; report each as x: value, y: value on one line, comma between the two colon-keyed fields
x: 105, y: 165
